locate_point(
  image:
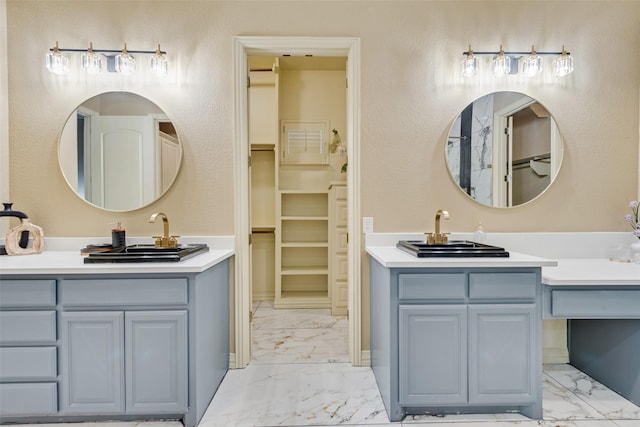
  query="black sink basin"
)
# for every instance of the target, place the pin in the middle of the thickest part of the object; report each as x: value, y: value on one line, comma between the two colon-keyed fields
x: 147, y: 253
x: 451, y: 249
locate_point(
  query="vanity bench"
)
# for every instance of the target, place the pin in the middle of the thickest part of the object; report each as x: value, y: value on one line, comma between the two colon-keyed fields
x: 91, y: 342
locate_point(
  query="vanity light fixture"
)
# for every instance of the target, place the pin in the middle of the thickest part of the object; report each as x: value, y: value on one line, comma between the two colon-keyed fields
x: 562, y: 65
x: 91, y: 61
x: 120, y: 61
x: 507, y: 62
x: 56, y: 62
x: 501, y: 65
x: 469, y: 65
x: 532, y: 64
x: 159, y: 65
x: 125, y: 63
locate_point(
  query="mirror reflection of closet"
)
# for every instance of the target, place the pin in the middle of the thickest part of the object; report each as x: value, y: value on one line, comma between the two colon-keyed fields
x: 294, y: 103
x: 504, y: 149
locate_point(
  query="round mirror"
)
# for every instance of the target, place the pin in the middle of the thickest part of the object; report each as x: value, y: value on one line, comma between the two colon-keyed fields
x: 119, y: 151
x: 504, y: 149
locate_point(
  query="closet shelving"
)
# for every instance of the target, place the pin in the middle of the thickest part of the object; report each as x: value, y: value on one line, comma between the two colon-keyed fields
x: 263, y: 137
x: 302, y: 249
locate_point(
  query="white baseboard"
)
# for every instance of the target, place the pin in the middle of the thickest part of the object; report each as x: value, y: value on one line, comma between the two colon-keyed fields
x: 549, y: 355
x: 555, y: 355
x: 365, y: 358
x: 232, y: 361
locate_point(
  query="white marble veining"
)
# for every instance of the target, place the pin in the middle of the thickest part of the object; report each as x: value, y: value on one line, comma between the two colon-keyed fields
x: 596, y: 395
x: 296, y: 394
x: 298, y: 336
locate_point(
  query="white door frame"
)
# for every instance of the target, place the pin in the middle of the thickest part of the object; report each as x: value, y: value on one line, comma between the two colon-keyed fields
x: 318, y: 46
x: 500, y: 152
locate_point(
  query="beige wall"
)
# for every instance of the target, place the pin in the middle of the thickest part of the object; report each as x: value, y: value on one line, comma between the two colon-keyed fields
x: 4, y: 115
x: 410, y: 94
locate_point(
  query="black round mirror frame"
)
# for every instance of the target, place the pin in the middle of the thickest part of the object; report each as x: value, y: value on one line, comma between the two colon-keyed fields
x: 509, y: 167
x: 119, y: 151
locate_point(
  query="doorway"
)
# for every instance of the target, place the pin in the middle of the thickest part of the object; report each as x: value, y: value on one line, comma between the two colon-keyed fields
x: 245, y: 47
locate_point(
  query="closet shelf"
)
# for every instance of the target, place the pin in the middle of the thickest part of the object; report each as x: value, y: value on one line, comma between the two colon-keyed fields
x: 263, y: 229
x: 305, y: 218
x: 304, y: 271
x: 305, y: 244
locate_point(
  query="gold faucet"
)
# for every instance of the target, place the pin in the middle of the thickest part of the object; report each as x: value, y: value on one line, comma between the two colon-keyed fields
x: 164, y: 241
x: 437, y: 236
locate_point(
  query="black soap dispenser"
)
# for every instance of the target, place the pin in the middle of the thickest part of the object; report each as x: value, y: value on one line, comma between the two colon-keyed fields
x: 118, y: 238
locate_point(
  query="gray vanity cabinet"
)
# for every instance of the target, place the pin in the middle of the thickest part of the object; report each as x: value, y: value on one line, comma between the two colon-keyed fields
x: 121, y: 346
x: 156, y: 356
x: 124, y: 345
x: 28, y: 357
x: 447, y: 340
x: 502, y: 354
x: 92, y: 363
x: 124, y: 362
x: 433, y: 349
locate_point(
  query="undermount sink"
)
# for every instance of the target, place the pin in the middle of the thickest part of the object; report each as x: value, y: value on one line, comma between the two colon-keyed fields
x: 451, y: 249
x: 147, y: 253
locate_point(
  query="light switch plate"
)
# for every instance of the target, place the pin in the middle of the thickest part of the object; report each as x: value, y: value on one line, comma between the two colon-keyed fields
x: 367, y: 224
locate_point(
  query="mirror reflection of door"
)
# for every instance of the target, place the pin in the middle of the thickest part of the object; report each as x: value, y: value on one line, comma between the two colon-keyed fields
x: 119, y: 151
x: 526, y: 141
x: 121, y: 179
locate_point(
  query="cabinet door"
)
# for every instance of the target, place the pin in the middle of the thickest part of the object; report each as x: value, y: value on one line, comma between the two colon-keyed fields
x: 502, y: 341
x: 433, y: 354
x: 92, y: 356
x: 156, y: 361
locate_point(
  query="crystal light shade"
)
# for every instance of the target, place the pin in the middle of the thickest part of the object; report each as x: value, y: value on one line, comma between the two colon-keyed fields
x: 562, y: 65
x: 91, y: 61
x: 501, y: 64
x: 56, y: 62
x: 469, y: 65
x: 125, y: 63
x: 532, y: 64
x: 159, y: 64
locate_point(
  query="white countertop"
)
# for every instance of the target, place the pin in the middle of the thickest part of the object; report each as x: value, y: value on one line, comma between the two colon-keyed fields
x: 392, y: 257
x: 64, y: 262
x: 591, y: 272
x: 62, y: 256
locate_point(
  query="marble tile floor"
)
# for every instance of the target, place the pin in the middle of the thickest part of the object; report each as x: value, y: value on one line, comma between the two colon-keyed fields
x: 297, y: 336
x: 299, y: 375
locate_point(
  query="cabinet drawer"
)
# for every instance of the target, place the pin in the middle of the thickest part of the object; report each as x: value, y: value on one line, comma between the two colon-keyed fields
x: 28, y: 399
x: 342, y: 213
x: 27, y: 327
x: 502, y: 286
x: 596, y: 304
x: 432, y: 286
x: 118, y: 292
x: 27, y: 293
x: 341, y: 267
x: 341, y: 192
x: 28, y: 363
x: 340, y: 239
